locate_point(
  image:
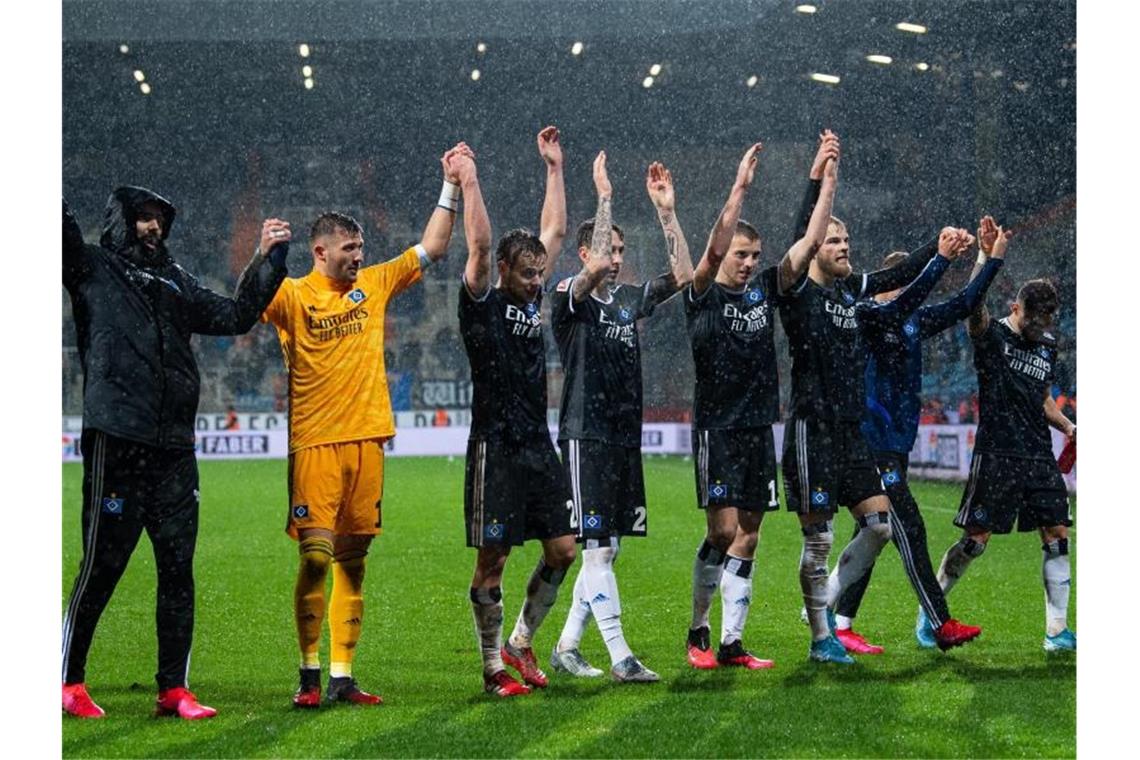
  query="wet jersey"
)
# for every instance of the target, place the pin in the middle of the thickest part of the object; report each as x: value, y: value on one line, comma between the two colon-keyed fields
x: 507, y: 354
x: 734, y: 353
x: 1014, y: 375
x: 601, y: 358
x: 826, y: 344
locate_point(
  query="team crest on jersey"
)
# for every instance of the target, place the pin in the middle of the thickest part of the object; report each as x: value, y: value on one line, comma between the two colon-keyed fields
x: 890, y: 477
x: 494, y: 531
x: 592, y: 522
x: 718, y: 491
x: 625, y: 314
x: 755, y: 295
x: 1043, y: 352
x: 820, y: 498
x: 112, y: 505
x: 301, y: 511
x: 848, y: 298
x: 979, y: 514
x: 531, y: 308
x: 909, y: 328
x: 356, y: 295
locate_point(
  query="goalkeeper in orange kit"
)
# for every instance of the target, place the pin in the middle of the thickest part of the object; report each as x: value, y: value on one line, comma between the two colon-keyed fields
x: 331, y: 327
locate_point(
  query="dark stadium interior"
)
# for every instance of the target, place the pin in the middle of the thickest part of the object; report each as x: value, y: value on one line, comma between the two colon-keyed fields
x: 230, y: 134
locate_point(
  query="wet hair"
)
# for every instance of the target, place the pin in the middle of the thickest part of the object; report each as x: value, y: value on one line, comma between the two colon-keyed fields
x: 516, y: 243
x: 836, y: 221
x: 586, y: 233
x: 1038, y: 297
x: 894, y: 258
x: 333, y: 221
x: 745, y: 229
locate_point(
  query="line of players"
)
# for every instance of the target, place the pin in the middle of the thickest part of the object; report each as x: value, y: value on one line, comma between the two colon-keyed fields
x: 855, y: 344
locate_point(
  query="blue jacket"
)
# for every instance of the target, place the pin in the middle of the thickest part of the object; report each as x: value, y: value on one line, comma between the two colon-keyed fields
x: 893, y: 332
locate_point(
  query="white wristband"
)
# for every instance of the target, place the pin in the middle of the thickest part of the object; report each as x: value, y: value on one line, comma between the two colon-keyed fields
x: 449, y: 196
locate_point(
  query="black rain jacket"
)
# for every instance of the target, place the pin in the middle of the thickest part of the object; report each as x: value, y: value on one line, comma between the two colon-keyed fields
x: 135, y: 310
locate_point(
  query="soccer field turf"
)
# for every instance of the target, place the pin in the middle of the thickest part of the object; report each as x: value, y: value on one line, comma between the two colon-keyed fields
x: 998, y: 696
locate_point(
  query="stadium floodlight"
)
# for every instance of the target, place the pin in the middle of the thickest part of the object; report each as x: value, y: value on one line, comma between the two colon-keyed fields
x: 906, y: 26
x: 752, y: 80
x: 647, y: 82
x: 124, y: 49
x: 576, y: 48
x: 825, y: 78
x: 139, y: 76
x: 306, y: 71
x: 303, y: 49
x: 145, y: 88
x: 309, y: 83
x: 475, y: 75
x: 1021, y: 86
x: 481, y: 47
x: 806, y: 8
x: 655, y: 69
x: 922, y: 65
x: 883, y: 59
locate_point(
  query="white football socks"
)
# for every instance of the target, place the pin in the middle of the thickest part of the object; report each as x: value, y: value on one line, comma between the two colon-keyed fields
x: 859, y: 556
x: 487, y: 606
x: 813, y: 578
x: 600, y: 584
x: 707, y: 569
x: 578, y: 616
x: 541, y: 593
x: 735, y: 598
x: 957, y: 558
x: 1055, y: 573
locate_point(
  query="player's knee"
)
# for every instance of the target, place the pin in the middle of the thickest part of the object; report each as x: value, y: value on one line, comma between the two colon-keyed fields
x: 818, y: 538
x: 560, y: 558
x: 1055, y: 533
x: 972, y: 547
x: 602, y: 556
x: 1055, y: 547
x: 352, y: 565
x: 721, y: 536
x: 877, y: 526
x: 316, y: 556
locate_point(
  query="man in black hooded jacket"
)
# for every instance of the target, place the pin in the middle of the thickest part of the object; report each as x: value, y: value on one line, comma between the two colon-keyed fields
x: 135, y: 310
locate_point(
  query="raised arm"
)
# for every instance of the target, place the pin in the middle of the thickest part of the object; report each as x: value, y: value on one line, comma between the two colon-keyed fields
x: 476, y: 225
x: 828, y: 147
x: 552, y: 226
x: 720, y: 238
x: 993, y: 241
x: 214, y: 314
x: 659, y: 184
x: 798, y: 258
x: 437, y: 233
x: 598, y: 261
x: 951, y: 243
x: 936, y: 318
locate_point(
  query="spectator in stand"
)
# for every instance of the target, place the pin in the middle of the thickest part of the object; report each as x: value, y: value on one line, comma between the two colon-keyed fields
x: 231, y: 419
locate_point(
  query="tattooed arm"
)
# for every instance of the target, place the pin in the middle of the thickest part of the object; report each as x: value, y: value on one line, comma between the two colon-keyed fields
x: 659, y: 183
x: 720, y: 239
x: 597, y: 262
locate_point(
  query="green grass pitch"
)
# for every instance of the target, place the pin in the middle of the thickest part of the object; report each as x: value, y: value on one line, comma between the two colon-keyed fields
x: 1000, y: 696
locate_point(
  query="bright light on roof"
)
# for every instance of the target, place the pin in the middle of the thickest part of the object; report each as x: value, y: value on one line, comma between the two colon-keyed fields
x: 139, y: 76
x: 922, y: 65
x: 306, y: 71
x: 655, y: 69
x: 303, y: 49
x: 576, y: 48
x: 752, y: 80
x: 481, y: 47
x: 1021, y: 86
x: 805, y: 8
x: 145, y: 88
x: 825, y: 78
x: 124, y: 49
x: 309, y: 83
x: 475, y: 75
x: 876, y: 58
x: 905, y: 26
x: 647, y: 82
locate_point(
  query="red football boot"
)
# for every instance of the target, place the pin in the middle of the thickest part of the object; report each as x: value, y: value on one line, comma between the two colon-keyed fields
x: 308, y: 695
x: 77, y: 702
x: 523, y: 661
x: 344, y: 689
x: 855, y: 643
x: 502, y: 685
x: 954, y: 634
x: 700, y: 651
x: 736, y: 655
x: 181, y: 702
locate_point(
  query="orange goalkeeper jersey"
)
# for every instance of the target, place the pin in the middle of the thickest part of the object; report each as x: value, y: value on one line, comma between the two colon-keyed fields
x: 332, y: 338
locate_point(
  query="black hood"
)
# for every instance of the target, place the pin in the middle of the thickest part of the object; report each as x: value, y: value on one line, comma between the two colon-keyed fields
x: 119, y: 216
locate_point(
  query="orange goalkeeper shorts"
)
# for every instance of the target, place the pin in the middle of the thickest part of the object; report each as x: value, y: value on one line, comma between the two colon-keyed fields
x: 337, y: 487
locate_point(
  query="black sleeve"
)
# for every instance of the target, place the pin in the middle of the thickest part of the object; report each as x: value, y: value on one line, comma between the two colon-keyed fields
x: 898, y: 310
x: 895, y: 277
x: 807, y: 205
x: 936, y: 318
x: 76, y: 264
x: 213, y: 314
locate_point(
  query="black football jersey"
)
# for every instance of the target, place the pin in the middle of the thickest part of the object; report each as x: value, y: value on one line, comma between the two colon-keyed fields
x: 601, y: 357
x: 734, y: 353
x: 507, y: 354
x: 1014, y: 375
